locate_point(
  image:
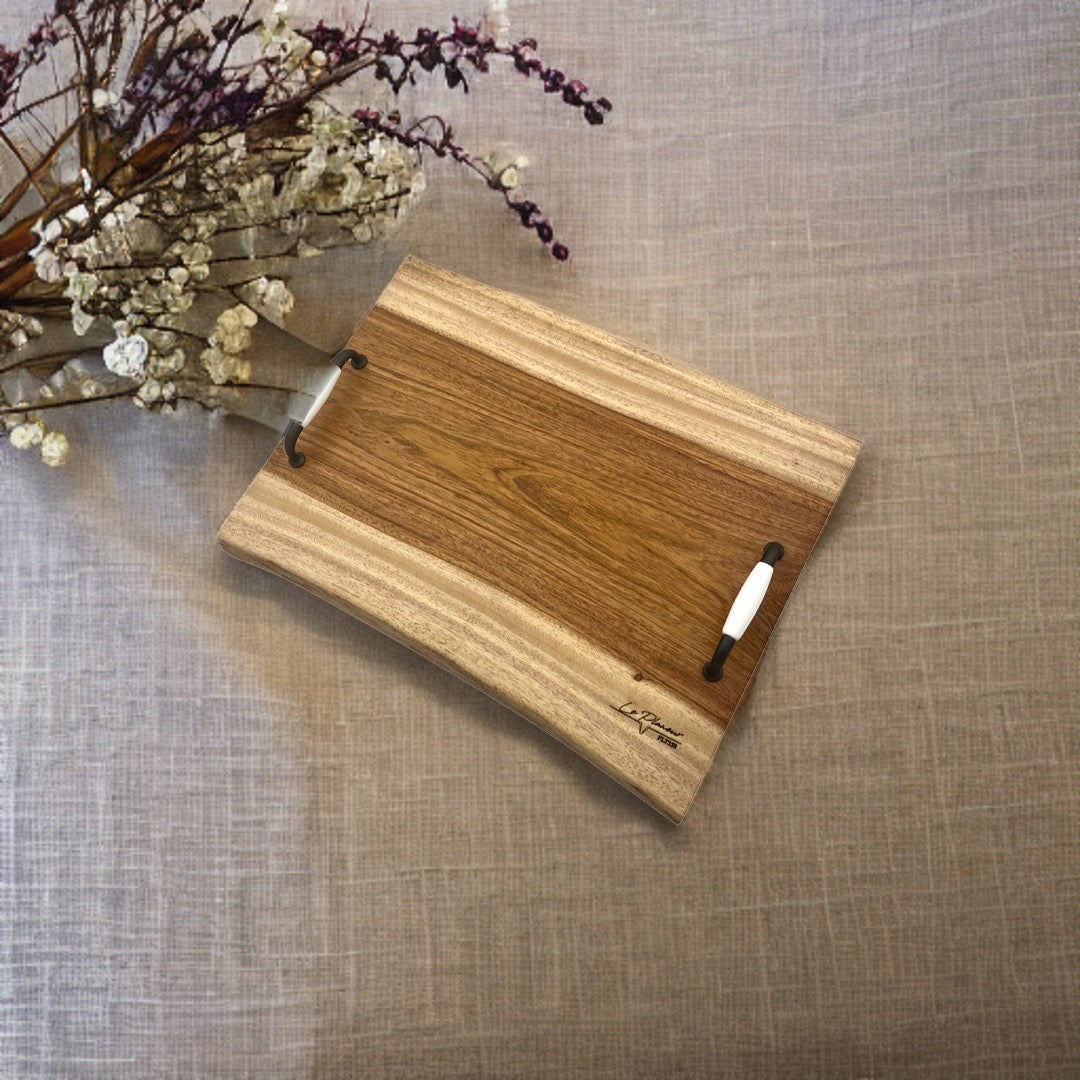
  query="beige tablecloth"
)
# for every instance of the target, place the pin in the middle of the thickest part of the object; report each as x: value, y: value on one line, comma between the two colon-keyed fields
x: 242, y: 835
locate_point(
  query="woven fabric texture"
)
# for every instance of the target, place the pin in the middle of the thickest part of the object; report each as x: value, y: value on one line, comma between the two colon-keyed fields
x: 243, y: 835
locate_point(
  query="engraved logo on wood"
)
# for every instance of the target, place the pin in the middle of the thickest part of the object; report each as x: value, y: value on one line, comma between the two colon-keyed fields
x: 651, y: 724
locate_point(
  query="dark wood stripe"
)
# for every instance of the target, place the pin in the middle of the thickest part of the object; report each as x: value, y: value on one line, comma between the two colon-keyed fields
x: 632, y: 537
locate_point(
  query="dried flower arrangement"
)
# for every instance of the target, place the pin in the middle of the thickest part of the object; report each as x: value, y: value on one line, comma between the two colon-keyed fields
x: 185, y: 142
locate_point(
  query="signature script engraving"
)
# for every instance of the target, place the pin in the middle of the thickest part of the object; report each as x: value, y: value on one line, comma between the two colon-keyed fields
x: 651, y: 724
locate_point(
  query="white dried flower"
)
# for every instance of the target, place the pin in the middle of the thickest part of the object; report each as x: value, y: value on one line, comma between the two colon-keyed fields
x: 46, y: 263
x: 81, y: 285
x: 126, y: 356
x: 232, y: 339
x: 507, y: 163
x: 195, y: 254
x: 122, y: 213
x: 153, y: 392
x: 223, y: 367
x: 272, y: 297
x: 54, y: 449
x: 167, y: 363
x: 79, y: 213
x: 103, y: 99
x: 47, y: 231
x: 148, y: 393
x: 232, y: 333
x: 16, y: 330
x: 23, y: 436
x: 160, y: 340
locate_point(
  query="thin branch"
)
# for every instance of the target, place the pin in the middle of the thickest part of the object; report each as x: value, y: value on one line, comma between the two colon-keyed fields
x: 116, y: 39
x: 62, y: 91
x: 27, y: 167
x: 84, y: 59
x: 131, y: 389
x: 61, y: 403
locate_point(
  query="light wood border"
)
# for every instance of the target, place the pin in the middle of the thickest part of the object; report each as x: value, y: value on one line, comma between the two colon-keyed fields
x: 721, y: 418
x: 552, y: 677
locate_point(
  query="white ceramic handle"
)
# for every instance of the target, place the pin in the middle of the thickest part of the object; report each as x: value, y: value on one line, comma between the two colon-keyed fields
x: 324, y: 393
x: 748, y: 601
x: 295, y: 427
x: 744, y: 609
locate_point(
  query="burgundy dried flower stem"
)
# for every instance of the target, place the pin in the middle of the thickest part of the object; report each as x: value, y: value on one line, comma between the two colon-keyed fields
x: 128, y: 388
x: 181, y: 89
x: 177, y: 87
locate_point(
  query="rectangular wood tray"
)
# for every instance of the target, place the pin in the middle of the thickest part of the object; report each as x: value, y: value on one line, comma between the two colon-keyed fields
x: 557, y: 516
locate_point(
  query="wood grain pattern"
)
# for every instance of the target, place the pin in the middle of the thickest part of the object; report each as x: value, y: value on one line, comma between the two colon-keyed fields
x: 555, y: 515
x: 723, y: 419
x: 532, y: 663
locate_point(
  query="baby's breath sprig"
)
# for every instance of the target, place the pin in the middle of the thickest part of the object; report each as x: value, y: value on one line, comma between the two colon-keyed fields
x: 185, y: 144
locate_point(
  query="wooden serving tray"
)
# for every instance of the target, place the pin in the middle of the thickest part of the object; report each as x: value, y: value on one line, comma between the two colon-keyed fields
x: 557, y: 516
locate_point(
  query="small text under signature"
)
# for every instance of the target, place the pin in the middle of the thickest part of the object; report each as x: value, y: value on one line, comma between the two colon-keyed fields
x: 650, y: 722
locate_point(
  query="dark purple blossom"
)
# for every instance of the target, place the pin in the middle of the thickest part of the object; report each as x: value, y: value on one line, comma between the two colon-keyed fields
x: 181, y: 83
x: 339, y: 46
x: 9, y: 69
x: 41, y: 37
